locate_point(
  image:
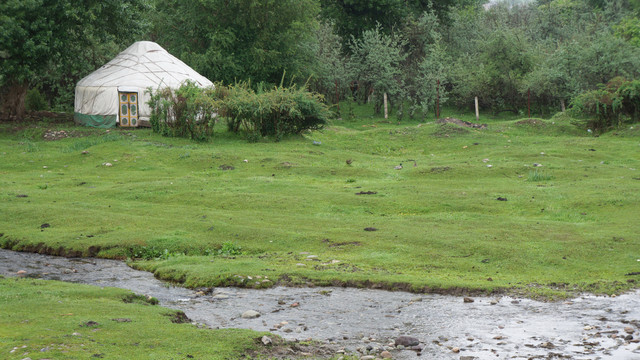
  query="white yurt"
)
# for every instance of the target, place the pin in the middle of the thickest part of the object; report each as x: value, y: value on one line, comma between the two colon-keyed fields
x: 115, y: 93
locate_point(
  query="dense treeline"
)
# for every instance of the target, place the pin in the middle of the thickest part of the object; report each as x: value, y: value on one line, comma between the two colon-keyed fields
x: 506, y: 53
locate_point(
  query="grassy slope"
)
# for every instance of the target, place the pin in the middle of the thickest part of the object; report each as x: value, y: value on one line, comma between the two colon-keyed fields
x: 50, y: 320
x: 439, y: 223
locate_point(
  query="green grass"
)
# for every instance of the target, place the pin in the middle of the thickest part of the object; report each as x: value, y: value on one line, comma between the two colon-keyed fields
x: 55, y: 320
x: 439, y: 224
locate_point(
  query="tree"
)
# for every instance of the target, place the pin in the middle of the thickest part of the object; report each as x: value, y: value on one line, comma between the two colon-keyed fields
x: 375, y: 62
x: 425, y: 70
x: 329, y: 73
x: 239, y: 40
x: 37, y: 36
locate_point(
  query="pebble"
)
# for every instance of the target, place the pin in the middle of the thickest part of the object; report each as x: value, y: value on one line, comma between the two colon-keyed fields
x: 456, y: 350
x: 368, y: 357
x: 20, y: 272
x: 629, y: 330
x: 266, y: 340
x: 416, y: 299
x: 386, y: 355
x: 468, y: 300
x: 250, y: 314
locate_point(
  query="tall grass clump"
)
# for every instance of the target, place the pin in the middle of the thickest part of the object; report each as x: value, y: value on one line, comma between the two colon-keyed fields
x: 537, y: 176
x: 189, y: 111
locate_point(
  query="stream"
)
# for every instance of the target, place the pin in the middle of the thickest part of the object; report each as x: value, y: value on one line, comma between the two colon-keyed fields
x: 364, y: 322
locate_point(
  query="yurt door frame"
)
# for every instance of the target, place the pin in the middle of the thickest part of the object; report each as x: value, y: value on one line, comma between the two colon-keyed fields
x: 128, y: 109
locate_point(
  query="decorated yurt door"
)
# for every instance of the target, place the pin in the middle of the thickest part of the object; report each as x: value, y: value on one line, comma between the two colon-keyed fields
x: 128, y: 109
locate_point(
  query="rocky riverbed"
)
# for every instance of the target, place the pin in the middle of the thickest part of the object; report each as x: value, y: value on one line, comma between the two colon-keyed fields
x: 369, y: 323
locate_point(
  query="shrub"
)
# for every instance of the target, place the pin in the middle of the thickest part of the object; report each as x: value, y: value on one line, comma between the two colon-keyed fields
x: 35, y: 101
x: 189, y: 111
x: 610, y: 104
x: 281, y: 111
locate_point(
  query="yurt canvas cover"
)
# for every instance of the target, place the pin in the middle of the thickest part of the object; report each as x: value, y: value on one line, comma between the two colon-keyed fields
x: 115, y: 93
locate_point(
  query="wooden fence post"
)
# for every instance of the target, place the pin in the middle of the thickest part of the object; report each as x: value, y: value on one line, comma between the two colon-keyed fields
x: 477, y: 111
x: 386, y: 113
x: 437, y: 99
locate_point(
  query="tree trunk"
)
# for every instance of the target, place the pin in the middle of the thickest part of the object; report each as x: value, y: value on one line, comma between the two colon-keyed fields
x: 562, y: 106
x: 12, y: 100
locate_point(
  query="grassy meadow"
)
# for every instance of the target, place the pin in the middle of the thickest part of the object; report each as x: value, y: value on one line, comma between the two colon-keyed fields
x: 468, y: 212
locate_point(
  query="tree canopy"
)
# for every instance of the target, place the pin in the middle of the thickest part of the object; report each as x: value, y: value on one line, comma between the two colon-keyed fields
x: 54, y: 42
x: 239, y: 40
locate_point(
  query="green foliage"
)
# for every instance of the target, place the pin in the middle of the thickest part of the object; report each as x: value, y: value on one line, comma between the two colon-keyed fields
x: 353, y: 18
x: 279, y: 112
x: 35, y: 101
x: 329, y: 73
x: 229, y: 249
x: 433, y: 72
x: 375, y: 62
x: 189, y: 111
x: 610, y: 104
x: 55, y: 43
x: 629, y: 29
x: 230, y: 41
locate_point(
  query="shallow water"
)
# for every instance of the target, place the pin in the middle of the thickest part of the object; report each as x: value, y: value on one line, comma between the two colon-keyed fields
x: 588, y: 327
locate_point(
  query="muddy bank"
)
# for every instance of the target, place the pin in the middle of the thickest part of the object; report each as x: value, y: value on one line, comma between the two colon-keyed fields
x: 588, y: 327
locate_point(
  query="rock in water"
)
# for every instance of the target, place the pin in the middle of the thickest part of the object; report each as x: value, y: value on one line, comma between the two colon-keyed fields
x: 407, y: 341
x: 250, y: 314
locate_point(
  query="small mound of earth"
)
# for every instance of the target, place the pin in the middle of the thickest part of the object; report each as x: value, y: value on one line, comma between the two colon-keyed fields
x: 225, y: 167
x: 461, y: 123
x: 531, y: 122
x: 448, y: 130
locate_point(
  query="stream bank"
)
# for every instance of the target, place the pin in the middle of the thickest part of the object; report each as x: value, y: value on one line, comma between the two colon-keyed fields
x: 366, y: 321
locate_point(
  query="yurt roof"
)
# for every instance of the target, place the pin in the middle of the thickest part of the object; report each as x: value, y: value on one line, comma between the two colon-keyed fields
x: 143, y: 64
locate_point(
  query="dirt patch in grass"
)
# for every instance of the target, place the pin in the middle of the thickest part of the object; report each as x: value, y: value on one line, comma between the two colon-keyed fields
x: 346, y: 243
x: 179, y: 317
x: 366, y: 193
x: 439, y: 169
